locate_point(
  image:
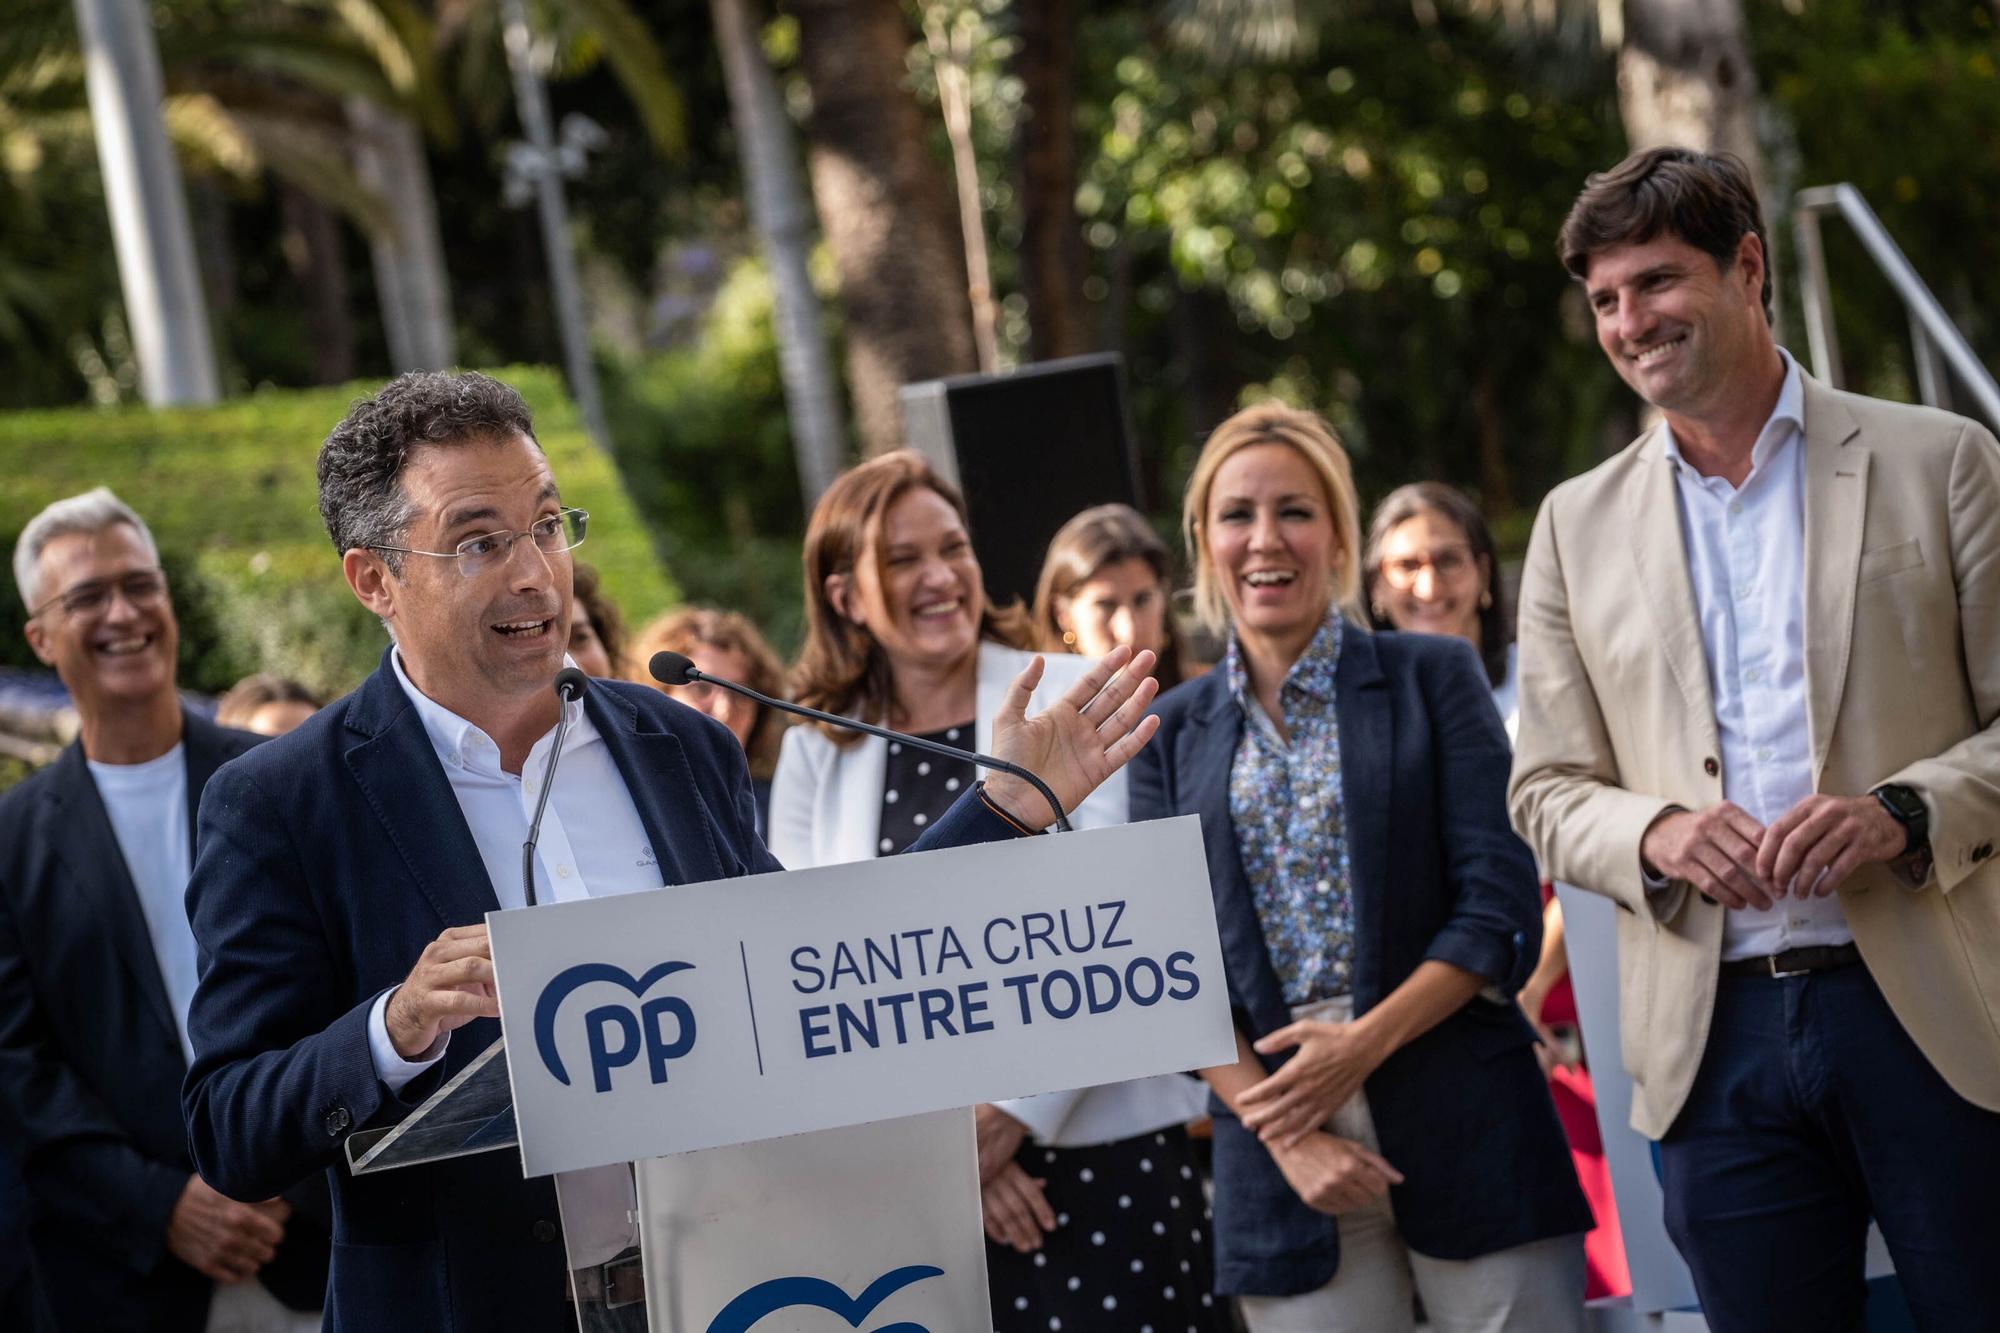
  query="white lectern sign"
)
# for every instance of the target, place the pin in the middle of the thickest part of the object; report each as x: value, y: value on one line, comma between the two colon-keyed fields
x: 748, y: 1009
x: 869, y: 1227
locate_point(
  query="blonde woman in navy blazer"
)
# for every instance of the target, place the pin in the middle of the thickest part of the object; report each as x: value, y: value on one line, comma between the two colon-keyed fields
x: 1385, y: 1129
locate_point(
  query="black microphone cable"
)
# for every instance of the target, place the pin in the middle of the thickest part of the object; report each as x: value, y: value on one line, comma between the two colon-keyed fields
x: 670, y: 668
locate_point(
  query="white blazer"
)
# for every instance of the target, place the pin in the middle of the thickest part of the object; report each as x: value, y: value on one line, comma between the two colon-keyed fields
x: 826, y: 809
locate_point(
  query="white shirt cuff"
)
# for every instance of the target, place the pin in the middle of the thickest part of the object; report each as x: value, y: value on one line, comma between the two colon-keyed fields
x: 394, y: 1071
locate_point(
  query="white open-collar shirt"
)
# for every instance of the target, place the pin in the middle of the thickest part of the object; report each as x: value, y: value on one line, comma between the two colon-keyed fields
x: 592, y: 843
x: 1746, y: 562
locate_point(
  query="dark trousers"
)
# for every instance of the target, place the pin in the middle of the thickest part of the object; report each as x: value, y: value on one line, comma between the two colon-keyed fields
x: 1812, y: 1112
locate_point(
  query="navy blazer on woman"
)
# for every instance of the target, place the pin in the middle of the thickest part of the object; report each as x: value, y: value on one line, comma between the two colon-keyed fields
x: 1463, y: 1111
x: 326, y: 860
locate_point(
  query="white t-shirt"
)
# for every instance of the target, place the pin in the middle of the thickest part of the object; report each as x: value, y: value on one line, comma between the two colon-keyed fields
x: 149, y: 814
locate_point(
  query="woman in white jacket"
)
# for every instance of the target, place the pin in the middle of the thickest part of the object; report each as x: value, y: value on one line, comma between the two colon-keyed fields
x: 1093, y: 1210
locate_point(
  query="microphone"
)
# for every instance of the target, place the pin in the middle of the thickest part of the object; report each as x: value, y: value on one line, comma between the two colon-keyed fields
x: 678, y: 669
x: 569, y: 688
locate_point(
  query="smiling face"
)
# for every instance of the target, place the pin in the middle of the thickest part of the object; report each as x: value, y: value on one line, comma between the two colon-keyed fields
x: 1271, y: 542
x: 1429, y: 581
x: 480, y: 643
x: 1122, y: 604
x: 120, y: 653
x: 730, y: 709
x: 1681, y: 331
x: 916, y: 586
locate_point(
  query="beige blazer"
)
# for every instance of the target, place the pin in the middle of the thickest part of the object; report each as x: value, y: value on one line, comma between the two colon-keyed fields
x: 1902, y: 625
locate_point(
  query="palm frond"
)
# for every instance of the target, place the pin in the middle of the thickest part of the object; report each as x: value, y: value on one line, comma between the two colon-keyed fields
x: 641, y: 69
x: 1238, y: 32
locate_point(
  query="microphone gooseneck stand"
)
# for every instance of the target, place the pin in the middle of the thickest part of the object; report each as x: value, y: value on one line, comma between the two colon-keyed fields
x: 677, y: 669
x: 569, y: 688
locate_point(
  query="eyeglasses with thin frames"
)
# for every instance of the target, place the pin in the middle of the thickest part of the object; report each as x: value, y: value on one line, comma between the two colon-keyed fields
x: 143, y: 588
x: 559, y: 532
x: 1446, y: 564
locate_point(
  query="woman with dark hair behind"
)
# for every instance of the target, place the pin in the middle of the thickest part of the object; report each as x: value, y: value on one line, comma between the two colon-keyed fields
x: 1432, y: 567
x: 596, y: 630
x: 266, y: 704
x: 1107, y: 580
x: 725, y: 644
x: 1088, y: 1195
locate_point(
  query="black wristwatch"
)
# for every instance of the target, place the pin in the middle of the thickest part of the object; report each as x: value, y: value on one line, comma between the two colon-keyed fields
x: 1908, y: 809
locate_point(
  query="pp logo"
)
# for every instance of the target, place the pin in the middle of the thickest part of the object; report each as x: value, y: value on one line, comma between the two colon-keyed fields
x: 792, y: 1293
x: 613, y: 1033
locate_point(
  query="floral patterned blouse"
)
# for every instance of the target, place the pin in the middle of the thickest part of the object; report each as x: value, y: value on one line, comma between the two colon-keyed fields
x: 1291, y: 826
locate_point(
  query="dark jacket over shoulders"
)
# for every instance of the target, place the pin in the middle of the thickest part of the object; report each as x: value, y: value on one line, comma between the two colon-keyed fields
x: 91, y: 1063
x: 326, y: 861
x: 1462, y: 1111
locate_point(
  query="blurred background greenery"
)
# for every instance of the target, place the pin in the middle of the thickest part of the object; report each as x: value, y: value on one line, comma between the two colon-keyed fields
x: 230, y: 495
x: 1349, y: 204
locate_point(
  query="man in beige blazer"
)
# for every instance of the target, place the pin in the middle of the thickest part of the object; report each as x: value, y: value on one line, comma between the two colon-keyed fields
x: 1760, y: 677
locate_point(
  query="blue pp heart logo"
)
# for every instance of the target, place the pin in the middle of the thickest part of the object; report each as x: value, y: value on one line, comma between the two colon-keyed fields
x: 791, y: 1293
x: 633, y: 1031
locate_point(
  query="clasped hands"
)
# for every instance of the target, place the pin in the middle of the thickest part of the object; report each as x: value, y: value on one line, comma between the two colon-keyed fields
x: 1288, y: 1109
x: 1332, y: 1061
x: 1011, y: 1202
x: 1809, y: 851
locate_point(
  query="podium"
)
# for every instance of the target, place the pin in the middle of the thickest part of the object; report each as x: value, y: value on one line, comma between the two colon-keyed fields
x: 753, y: 1093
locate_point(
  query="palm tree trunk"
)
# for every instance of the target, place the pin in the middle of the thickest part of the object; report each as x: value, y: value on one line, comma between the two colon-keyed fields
x: 312, y: 249
x: 783, y: 218
x: 884, y: 209
x: 951, y: 54
x: 1684, y: 77
x: 149, y: 215
x: 1052, y: 261
x: 411, y: 283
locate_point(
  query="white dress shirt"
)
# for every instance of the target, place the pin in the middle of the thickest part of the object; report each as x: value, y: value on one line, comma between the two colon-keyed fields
x: 149, y: 814
x: 591, y: 845
x: 1746, y: 562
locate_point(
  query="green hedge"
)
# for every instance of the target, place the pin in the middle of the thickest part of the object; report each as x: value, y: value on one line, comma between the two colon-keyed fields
x: 229, y: 492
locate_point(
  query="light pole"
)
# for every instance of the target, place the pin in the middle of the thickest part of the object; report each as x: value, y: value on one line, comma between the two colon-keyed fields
x: 543, y: 163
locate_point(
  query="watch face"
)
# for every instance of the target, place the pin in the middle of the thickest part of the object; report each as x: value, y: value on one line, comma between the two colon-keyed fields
x: 1902, y: 802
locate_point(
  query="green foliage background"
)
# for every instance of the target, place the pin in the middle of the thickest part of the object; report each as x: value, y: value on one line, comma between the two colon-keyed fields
x: 231, y: 497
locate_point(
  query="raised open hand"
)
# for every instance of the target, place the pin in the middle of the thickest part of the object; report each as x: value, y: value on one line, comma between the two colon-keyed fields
x: 1076, y: 742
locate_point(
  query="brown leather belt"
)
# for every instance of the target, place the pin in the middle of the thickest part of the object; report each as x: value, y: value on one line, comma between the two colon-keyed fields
x: 1794, y: 962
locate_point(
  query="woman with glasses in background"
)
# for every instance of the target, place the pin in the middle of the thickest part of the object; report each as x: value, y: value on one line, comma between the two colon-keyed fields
x: 724, y: 644
x: 1432, y: 567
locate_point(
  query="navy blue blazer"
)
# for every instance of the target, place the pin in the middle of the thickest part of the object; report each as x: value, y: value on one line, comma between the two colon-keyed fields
x: 326, y: 861
x: 1463, y: 1111
x: 91, y: 1063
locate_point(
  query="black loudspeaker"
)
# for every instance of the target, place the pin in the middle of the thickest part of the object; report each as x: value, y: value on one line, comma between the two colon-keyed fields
x: 1030, y: 448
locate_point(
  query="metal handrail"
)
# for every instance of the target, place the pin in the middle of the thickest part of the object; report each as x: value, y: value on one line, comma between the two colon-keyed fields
x: 1936, y: 340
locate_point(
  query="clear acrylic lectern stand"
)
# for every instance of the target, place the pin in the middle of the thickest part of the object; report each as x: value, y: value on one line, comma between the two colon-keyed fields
x: 474, y: 1112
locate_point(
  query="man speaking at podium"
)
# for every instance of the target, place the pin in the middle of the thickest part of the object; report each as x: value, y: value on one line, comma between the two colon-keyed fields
x: 342, y: 872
